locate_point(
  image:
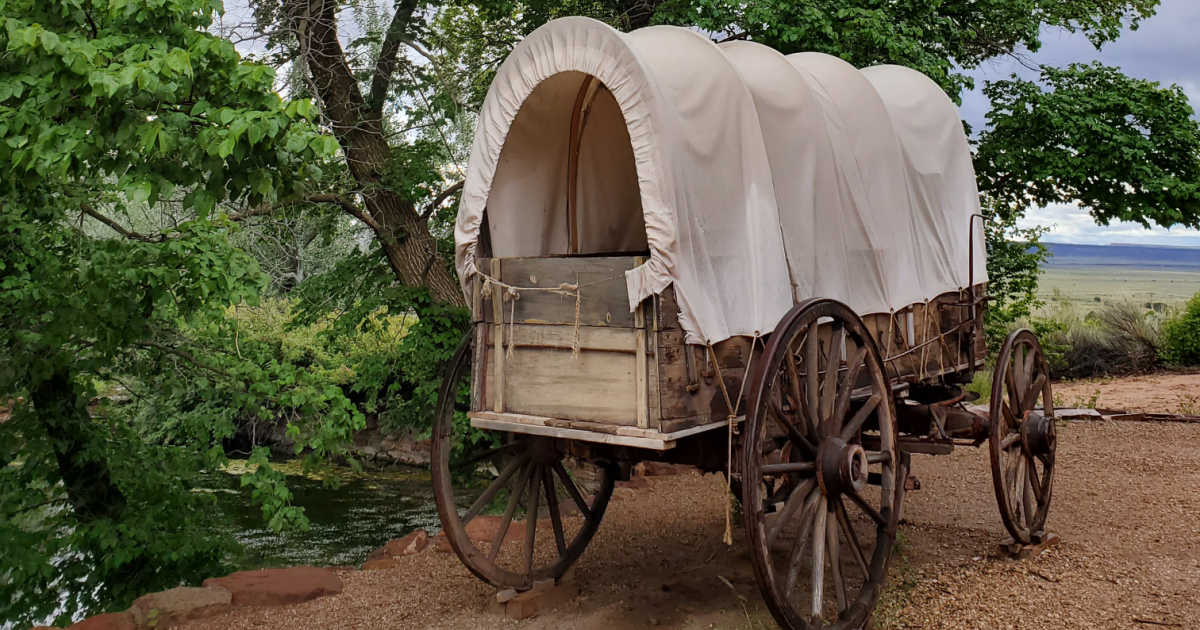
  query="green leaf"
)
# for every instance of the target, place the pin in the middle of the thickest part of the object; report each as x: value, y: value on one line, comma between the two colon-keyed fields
x: 225, y: 148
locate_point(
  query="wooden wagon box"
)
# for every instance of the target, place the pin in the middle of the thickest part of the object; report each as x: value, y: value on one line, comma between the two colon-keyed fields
x: 568, y: 358
x: 548, y: 363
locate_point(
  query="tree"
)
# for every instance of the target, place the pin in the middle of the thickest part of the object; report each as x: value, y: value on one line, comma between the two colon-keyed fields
x: 108, y: 111
x: 1125, y: 149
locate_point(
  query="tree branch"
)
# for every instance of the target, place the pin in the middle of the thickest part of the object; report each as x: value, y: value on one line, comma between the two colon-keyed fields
x: 346, y: 203
x: 437, y: 201
x: 350, y: 208
x: 389, y: 51
x: 118, y: 228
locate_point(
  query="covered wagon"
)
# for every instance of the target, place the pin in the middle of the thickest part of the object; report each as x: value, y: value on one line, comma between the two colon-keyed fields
x: 769, y: 266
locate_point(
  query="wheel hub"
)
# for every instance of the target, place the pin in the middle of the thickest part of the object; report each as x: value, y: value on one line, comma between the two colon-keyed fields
x: 1038, y: 433
x: 841, y: 466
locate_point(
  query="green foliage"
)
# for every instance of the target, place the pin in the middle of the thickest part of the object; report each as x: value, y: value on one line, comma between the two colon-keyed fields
x: 1014, y: 256
x: 1125, y: 149
x: 109, y: 109
x: 1181, y: 335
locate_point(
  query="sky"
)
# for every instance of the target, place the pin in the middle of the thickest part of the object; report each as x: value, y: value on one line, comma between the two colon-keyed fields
x: 1165, y: 48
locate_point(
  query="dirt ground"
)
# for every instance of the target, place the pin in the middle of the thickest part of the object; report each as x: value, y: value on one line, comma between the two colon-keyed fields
x: 1125, y: 503
x: 1162, y: 392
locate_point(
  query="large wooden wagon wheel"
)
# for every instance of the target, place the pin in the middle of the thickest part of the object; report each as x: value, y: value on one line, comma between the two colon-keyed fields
x: 547, y: 516
x: 1023, y: 438
x: 820, y: 536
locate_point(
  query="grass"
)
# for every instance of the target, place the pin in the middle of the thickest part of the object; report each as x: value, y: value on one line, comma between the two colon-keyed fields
x: 1090, y: 286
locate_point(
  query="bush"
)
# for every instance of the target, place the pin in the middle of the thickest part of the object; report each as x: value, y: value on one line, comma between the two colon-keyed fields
x: 1117, y: 338
x: 1181, y: 335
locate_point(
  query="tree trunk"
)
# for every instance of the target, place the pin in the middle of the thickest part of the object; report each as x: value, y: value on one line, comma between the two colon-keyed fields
x: 411, y: 250
x: 64, y: 416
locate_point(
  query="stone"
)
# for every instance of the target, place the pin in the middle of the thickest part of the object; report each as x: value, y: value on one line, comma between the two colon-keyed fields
x: 276, y: 587
x: 543, y: 597
x: 378, y: 564
x: 108, y: 621
x: 484, y: 529
x: 660, y: 469
x: 414, y: 542
x: 167, y: 608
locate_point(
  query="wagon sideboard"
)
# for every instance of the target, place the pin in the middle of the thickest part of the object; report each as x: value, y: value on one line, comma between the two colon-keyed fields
x: 587, y: 368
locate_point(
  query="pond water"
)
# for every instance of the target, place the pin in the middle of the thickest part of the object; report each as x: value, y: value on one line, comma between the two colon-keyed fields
x: 346, y: 522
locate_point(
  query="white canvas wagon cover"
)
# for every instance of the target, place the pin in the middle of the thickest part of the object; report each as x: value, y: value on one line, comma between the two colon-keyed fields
x: 753, y: 179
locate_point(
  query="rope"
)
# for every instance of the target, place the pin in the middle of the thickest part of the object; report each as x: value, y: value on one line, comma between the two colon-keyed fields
x: 512, y: 293
x: 733, y: 407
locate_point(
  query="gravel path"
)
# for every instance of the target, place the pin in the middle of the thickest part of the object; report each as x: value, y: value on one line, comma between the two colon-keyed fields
x: 1126, y: 504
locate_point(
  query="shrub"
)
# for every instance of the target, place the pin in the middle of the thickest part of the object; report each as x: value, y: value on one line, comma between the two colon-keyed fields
x: 1181, y: 335
x: 1118, y: 338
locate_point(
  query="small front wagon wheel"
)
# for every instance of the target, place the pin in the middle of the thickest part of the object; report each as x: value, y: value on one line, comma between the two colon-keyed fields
x: 1023, y: 438
x: 821, y: 468
x: 547, y: 514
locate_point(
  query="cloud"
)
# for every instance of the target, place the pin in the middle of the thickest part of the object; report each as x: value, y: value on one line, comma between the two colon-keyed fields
x: 1071, y: 224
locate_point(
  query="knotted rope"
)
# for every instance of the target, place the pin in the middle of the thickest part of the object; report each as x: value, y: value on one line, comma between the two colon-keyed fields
x: 733, y: 407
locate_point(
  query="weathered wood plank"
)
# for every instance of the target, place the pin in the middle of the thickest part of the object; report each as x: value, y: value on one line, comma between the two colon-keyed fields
x: 587, y: 431
x: 498, y: 336
x: 595, y: 386
x: 639, y: 373
x: 591, y: 338
x: 604, y: 298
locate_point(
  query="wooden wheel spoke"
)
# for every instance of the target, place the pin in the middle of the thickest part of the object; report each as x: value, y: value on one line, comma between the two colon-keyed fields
x: 514, y: 499
x: 531, y: 512
x: 793, y: 432
x: 853, y: 367
x: 1009, y: 440
x: 851, y: 537
x: 866, y: 508
x: 1014, y: 396
x: 1012, y: 469
x: 796, y: 557
x: 1027, y: 499
x: 835, y: 561
x: 1031, y: 394
x: 855, y: 424
x: 1010, y: 419
x: 572, y: 490
x: 829, y: 385
x: 1028, y: 365
x: 788, y: 467
x: 490, y: 493
x: 555, y: 516
x: 805, y: 495
x: 1034, y: 479
x: 812, y: 369
x: 1018, y: 493
x: 818, y: 561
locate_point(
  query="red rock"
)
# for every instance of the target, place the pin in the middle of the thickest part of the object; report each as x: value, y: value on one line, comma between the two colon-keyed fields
x: 375, y: 564
x: 108, y: 621
x: 275, y: 587
x: 543, y: 597
x: 413, y: 543
x: 483, y: 529
x: 166, y: 608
